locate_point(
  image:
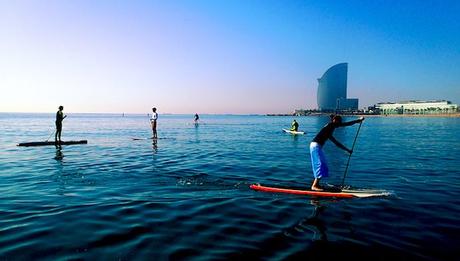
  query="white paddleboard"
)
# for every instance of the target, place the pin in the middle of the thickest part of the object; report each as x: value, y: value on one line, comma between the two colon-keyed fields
x: 294, y: 132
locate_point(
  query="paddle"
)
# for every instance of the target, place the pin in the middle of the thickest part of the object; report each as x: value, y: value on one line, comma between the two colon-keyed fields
x: 349, y: 157
x: 50, y: 135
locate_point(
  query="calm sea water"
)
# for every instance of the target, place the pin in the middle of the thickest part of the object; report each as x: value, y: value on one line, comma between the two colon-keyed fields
x: 186, y: 196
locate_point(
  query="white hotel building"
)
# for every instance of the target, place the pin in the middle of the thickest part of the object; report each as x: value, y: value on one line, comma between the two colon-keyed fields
x: 417, y: 107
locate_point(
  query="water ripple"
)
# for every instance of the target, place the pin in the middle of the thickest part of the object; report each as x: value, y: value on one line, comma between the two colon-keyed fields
x: 187, y: 196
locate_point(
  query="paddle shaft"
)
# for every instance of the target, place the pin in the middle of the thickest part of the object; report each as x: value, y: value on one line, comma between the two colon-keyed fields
x: 51, y: 134
x: 349, y: 157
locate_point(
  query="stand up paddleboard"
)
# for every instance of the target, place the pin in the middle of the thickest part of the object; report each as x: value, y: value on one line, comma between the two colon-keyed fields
x: 337, y: 193
x: 47, y: 143
x: 153, y: 138
x: 294, y: 132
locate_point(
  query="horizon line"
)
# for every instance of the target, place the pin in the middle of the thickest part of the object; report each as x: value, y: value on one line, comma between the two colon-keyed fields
x: 135, y: 113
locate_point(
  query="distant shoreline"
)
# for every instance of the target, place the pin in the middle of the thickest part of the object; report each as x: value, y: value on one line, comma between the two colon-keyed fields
x: 445, y: 115
x: 313, y: 114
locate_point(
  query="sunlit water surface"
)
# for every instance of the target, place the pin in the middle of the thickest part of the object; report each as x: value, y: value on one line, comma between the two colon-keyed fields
x: 187, y: 195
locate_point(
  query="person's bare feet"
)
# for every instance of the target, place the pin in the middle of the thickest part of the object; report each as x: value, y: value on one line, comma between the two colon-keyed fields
x: 316, y: 188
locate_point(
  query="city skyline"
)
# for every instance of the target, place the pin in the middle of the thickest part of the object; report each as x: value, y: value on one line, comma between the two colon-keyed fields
x: 222, y: 56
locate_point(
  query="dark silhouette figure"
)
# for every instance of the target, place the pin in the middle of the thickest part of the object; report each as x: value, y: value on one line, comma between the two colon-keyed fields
x: 294, y: 126
x: 59, y: 118
x: 153, y: 121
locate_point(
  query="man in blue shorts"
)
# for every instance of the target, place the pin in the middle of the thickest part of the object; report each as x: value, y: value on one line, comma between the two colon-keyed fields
x: 318, y: 160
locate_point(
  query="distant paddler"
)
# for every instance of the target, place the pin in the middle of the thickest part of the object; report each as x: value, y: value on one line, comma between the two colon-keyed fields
x: 153, y: 122
x: 196, y: 118
x: 59, y: 118
x: 318, y: 160
x: 294, y: 126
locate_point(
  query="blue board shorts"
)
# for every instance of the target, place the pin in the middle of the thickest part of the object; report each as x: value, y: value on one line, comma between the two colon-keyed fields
x: 318, y: 161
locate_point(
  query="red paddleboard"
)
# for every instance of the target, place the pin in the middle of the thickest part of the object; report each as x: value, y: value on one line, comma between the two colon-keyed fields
x: 336, y: 194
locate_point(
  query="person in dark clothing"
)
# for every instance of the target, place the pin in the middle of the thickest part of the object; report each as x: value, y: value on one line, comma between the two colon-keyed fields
x: 318, y: 160
x: 196, y: 117
x: 294, y: 126
x: 59, y: 118
x: 153, y: 122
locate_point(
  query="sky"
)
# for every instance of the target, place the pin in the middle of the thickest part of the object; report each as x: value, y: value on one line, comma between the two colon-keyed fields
x: 222, y: 56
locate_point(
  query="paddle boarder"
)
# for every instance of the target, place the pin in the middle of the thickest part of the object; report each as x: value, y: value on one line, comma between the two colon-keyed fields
x: 196, y: 117
x: 318, y: 160
x: 59, y: 118
x: 153, y: 121
x: 294, y: 126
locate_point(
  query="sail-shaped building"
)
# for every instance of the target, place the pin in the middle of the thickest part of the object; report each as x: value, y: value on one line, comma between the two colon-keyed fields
x: 332, y: 90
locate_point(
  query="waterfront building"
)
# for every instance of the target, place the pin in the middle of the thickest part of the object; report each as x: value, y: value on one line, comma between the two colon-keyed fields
x: 417, y: 107
x: 347, y: 104
x: 332, y: 90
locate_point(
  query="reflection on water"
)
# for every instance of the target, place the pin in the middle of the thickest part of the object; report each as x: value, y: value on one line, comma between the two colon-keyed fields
x: 59, y: 155
x: 313, y: 224
x: 154, y: 145
x: 112, y: 198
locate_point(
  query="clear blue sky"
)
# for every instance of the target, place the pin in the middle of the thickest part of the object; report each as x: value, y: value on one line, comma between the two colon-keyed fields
x: 222, y: 56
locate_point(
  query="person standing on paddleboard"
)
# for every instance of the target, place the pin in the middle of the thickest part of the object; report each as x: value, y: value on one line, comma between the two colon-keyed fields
x: 318, y: 160
x: 294, y: 126
x: 59, y: 118
x: 153, y: 121
x: 196, y: 117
